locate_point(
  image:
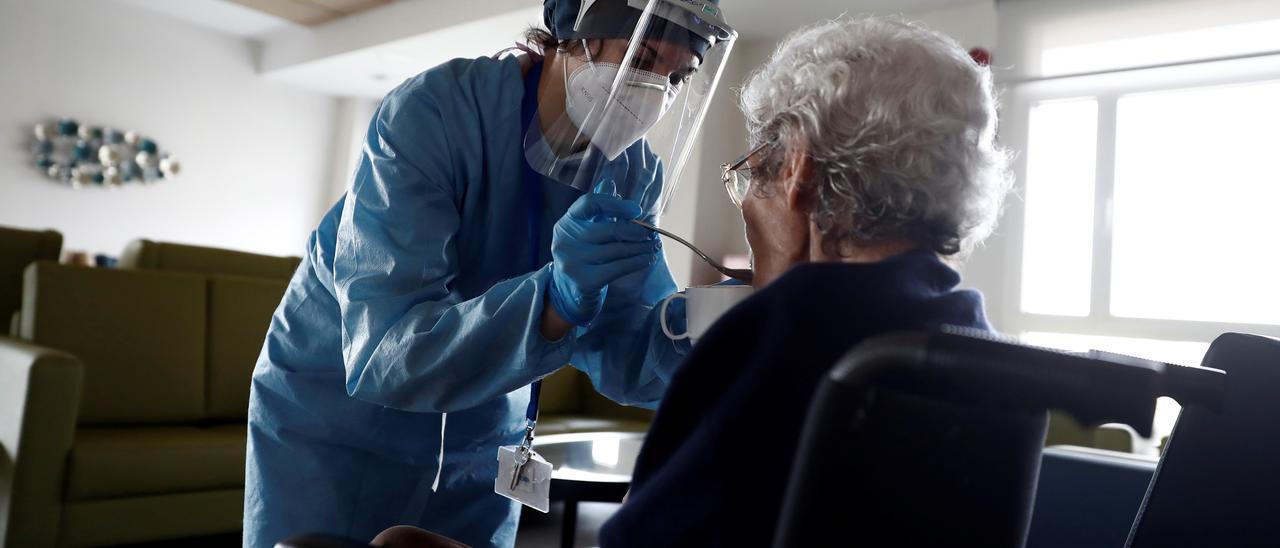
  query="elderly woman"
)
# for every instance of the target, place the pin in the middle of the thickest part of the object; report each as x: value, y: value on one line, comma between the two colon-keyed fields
x: 874, y: 165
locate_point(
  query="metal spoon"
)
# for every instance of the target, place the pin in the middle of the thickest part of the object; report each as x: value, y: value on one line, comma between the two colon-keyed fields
x: 735, y: 273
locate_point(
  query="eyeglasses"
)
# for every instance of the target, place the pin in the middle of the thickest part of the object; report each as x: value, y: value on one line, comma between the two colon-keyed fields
x: 737, y: 176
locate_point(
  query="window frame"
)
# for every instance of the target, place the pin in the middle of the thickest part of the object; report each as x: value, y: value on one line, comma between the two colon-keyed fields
x: 1106, y: 88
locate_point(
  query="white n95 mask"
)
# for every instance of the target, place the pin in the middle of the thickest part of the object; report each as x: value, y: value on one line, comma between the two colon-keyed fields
x: 613, y: 125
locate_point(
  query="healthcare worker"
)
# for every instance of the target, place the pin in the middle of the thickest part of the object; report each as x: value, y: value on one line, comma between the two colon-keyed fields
x: 471, y: 257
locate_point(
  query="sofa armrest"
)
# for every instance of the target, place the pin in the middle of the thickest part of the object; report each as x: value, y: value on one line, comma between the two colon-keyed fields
x: 39, y: 399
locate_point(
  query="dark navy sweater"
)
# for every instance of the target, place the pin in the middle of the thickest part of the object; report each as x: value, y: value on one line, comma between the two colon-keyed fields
x: 714, y: 466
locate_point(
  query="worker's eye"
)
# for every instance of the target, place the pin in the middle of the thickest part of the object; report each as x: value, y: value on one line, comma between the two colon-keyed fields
x: 644, y: 62
x: 679, y: 78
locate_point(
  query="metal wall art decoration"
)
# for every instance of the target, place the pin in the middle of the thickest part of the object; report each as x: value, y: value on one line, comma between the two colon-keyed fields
x: 82, y: 155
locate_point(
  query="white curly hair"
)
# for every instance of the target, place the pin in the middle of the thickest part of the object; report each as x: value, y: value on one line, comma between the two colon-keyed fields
x: 898, y: 123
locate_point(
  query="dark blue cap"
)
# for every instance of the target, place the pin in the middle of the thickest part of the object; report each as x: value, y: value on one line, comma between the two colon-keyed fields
x: 559, y: 16
x: 619, y: 21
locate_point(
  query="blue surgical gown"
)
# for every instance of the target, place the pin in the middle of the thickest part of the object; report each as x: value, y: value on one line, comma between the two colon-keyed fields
x: 413, y: 324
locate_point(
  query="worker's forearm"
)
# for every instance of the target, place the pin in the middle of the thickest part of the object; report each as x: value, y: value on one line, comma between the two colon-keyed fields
x: 554, y: 327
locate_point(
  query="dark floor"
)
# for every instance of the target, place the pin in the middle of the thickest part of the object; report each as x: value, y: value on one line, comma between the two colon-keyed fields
x: 537, y: 530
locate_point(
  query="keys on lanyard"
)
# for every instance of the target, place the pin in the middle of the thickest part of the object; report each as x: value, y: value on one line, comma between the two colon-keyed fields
x: 522, y: 455
x: 523, y: 475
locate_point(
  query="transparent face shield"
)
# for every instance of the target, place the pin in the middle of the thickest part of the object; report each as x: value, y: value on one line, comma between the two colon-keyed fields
x: 637, y: 77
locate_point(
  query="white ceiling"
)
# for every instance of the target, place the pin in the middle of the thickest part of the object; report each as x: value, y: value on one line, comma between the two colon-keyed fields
x: 312, y: 12
x: 752, y: 17
x: 216, y: 14
x: 373, y: 71
x: 774, y: 18
x: 367, y: 54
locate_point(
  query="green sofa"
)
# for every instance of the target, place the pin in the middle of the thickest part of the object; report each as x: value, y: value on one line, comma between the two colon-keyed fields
x: 123, y: 407
x: 19, y: 248
x: 150, y: 443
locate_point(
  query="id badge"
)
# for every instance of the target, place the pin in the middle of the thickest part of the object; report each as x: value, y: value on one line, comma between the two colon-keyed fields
x: 532, y: 487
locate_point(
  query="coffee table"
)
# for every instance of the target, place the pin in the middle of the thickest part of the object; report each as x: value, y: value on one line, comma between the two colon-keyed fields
x: 588, y: 467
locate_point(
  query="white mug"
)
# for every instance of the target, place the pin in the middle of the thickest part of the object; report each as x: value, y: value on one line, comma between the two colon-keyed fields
x: 704, y: 304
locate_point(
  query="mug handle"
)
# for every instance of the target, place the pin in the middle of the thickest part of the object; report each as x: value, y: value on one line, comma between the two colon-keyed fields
x: 662, y: 318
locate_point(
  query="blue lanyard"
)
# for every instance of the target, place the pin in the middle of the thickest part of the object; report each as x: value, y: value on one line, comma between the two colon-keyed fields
x: 532, y: 183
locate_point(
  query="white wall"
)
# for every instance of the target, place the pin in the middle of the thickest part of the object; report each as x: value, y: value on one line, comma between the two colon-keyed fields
x: 972, y: 24
x: 350, y: 126
x: 716, y: 226
x: 256, y: 155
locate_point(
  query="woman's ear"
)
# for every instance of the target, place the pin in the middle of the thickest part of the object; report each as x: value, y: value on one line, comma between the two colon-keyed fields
x: 796, y: 173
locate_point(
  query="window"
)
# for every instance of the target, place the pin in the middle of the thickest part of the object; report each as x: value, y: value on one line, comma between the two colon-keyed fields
x: 1057, y: 257
x: 1197, y: 202
x: 1150, y: 192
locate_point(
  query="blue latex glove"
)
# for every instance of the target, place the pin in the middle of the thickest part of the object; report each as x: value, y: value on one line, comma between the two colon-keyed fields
x: 594, y: 244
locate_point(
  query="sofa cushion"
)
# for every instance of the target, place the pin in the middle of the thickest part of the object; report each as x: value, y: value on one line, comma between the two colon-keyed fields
x: 140, y: 334
x: 152, y: 460
x: 193, y: 259
x: 239, y: 313
x: 154, y: 518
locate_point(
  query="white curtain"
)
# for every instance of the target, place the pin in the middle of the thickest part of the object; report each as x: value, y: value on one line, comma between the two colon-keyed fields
x: 1053, y: 38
